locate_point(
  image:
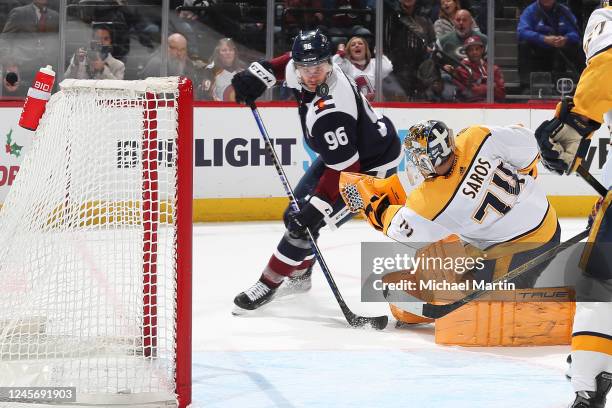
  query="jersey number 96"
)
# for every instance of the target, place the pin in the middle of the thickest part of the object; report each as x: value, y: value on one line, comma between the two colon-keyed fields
x: 337, y: 138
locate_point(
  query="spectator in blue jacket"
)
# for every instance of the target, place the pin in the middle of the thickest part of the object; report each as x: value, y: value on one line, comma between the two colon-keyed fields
x: 548, y: 41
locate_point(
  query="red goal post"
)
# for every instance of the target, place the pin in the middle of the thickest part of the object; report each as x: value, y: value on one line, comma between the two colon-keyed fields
x: 96, y: 246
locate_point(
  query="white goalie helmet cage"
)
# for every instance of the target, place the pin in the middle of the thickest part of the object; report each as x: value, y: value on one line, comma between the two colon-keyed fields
x: 429, y: 144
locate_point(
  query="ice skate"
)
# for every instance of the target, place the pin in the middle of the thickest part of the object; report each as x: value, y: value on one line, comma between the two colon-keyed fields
x: 253, y: 298
x: 299, y: 283
x: 594, y: 399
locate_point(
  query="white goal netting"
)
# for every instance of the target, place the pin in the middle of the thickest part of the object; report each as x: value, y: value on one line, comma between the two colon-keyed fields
x: 88, y: 254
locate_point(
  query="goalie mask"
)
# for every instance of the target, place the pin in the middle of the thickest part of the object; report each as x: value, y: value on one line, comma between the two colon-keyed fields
x: 429, y: 144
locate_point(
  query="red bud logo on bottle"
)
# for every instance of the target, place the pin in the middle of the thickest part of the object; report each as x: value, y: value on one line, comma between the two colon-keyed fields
x: 36, y: 101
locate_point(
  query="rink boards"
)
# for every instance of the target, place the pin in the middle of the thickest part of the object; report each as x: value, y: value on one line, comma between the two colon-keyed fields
x: 233, y: 179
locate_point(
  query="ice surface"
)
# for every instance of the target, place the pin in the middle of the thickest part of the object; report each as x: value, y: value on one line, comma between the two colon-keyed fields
x: 298, y: 351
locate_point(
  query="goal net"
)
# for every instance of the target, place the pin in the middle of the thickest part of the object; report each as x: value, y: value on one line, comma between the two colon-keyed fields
x: 95, y: 246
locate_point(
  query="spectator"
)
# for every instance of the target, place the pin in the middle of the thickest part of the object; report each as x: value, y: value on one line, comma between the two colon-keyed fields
x: 225, y: 63
x: 179, y: 62
x: 548, y: 41
x: 356, y: 61
x: 12, y: 85
x: 452, y: 43
x: 114, y: 14
x: 471, y: 76
x: 142, y: 23
x: 5, y: 7
x: 32, y: 18
x: 444, y: 24
x: 428, y: 8
x: 97, y: 62
x: 346, y: 19
x: 409, y: 38
x: 436, y: 89
x: 30, y: 36
x: 188, y: 23
x: 295, y: 20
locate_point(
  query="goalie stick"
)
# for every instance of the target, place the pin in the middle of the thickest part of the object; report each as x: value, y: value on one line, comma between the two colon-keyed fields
x: 416, y: 306
x: 354, y: 320
x: 424, y: 309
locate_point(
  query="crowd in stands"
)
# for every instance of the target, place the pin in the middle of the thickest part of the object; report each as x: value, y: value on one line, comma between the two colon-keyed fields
x: 434, y: 50
x: 355, y: 60
x: 549, y: 41
x: 97, y: 62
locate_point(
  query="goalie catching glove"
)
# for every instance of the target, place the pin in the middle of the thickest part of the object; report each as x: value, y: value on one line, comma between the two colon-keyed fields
x: 564, y: 140
x: 251, y: 83
x: 371, y: 195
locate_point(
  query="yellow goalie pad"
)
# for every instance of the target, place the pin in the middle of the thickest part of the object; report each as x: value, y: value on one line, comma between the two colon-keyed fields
x: 521, y: 317
x: 510, y: 322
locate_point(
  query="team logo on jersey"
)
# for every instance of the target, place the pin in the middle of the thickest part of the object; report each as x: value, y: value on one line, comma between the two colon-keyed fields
x: 324, y: 103
x: 322, y: 90
x: 408, y: 230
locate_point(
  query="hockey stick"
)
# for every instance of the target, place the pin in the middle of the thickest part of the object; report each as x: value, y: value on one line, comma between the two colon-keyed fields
x: 437, y: 311
x: 588, y: 177
x: 421, y: 308
x: 354, y: 320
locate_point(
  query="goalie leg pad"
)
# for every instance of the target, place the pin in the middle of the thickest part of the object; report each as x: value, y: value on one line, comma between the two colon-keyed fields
x: 436, y: 265
x: 507, y: 321
x: 511, y: 323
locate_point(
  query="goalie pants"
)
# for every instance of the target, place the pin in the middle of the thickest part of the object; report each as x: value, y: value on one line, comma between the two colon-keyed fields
x: 592, y: 331
x: 294, y: 251
x: 496, y: 268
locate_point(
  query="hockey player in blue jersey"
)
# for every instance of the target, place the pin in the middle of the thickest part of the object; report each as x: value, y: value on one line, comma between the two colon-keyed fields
x: 339, y: 124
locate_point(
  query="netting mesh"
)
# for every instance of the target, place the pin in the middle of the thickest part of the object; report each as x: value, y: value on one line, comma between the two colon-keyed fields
x: 87, y: 246
x: 352, y: 198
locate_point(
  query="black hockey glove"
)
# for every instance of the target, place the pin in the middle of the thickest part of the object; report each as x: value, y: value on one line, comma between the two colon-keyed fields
x: 251, y: 83
x: 309, y: 216
x: 564, y: 140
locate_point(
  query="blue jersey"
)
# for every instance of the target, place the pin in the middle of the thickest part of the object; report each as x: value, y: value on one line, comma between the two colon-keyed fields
x: 343, y: 128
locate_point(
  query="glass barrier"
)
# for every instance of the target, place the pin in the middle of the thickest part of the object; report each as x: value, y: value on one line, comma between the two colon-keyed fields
x: 425, y: 43
x: 350, y: 26
x: 107, y: 39
x: 29, y: 40
x: 540, y: 64
x: 432, y: 50
x: 224, y: 36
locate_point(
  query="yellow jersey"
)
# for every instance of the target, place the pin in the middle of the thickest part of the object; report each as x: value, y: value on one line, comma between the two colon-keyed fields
x: 593, y: 96
x: 485, y: 198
